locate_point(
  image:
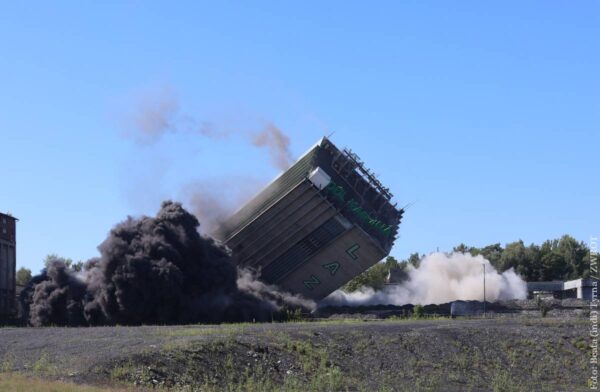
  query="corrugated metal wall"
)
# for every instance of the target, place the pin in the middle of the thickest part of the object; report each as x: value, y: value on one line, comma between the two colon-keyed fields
x: 288, y: 221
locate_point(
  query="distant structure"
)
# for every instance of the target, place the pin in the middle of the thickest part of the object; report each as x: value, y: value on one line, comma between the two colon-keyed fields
x: 8, y: 264
x: 578, y: 288
x: 319, y: 224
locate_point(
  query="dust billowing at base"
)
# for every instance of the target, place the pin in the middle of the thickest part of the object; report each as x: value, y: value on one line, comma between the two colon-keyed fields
x: 153, y: 270
x: 440, y: 278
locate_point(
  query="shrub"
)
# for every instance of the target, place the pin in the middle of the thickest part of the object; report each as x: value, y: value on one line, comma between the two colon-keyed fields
x: 419, y: 311
x: 293, y: 315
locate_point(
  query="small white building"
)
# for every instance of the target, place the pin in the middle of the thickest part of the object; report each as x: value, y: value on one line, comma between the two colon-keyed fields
x: 578, y: 288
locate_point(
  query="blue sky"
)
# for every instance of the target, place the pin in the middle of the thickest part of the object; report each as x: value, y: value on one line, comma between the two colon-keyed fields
x: 485, y: 116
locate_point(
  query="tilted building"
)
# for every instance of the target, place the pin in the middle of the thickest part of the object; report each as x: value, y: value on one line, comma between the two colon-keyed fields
x: 315, y: 227
x: 8, y: 264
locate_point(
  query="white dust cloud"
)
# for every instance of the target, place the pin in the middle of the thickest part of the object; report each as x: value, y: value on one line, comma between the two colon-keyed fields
x: 440, y: 278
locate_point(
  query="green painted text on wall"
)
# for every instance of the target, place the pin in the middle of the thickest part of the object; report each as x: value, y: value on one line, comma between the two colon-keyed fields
x: 352, y: 251
x: 332, y: 267
x: 312, y: 282
x: 339, y: 194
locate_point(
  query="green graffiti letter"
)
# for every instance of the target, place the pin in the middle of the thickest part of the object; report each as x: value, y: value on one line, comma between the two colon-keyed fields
x: 332, y: 267
x: 352, y: 251
x: 312, y: 282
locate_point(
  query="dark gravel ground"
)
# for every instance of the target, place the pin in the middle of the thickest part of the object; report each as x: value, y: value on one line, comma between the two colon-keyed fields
x: 500, y: 354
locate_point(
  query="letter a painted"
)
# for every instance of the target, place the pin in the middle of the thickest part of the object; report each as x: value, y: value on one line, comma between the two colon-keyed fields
x: 332, y: 267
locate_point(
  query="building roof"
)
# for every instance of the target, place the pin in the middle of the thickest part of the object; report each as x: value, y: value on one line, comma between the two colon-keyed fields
x: 8, y: 215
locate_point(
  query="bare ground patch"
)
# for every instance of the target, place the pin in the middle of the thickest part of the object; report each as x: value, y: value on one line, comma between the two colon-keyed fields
x: 516, y: 354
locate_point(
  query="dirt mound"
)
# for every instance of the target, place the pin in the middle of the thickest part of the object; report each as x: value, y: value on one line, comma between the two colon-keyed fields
x: 436, y: 354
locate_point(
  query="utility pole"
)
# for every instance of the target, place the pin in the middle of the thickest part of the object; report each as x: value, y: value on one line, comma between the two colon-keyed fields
x: 484, y: 290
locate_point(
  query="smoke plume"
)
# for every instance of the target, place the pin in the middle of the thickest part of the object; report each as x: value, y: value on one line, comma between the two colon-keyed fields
x: 277, y: 143
x: 440, y: 278
x: 213, y: 200
x: 159, y: 112
x: 153, y: 270
x: 154, y: 116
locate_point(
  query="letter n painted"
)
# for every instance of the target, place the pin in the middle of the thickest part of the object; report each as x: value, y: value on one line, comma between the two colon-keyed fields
x: 312, y: 282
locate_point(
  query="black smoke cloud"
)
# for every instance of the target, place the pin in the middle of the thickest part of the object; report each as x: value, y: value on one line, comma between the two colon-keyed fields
x: 55, y: 297
x: 153, y: 270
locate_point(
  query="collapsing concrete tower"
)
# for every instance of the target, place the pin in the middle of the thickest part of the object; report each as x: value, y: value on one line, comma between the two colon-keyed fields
x: 316, y: 226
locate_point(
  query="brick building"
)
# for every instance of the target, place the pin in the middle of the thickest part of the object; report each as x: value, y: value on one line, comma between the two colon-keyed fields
x: 8, y: 264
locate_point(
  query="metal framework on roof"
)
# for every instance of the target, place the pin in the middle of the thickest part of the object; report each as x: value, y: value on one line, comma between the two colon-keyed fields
x: 368, y: 174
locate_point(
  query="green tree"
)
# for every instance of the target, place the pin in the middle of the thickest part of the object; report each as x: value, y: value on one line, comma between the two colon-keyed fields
x: 576, y: 256
x: 531, y: 270
x: 54, y: 257
x: 391, y: 262
x: 414, y: 259
x: 493, y: 253
x: 553, y: 266
x: 563, y: 259
x: 374, y: 277
x: 462, y: 248
x: 419, y: 311
x: 513, y: 256
x: 23, y: 276
x: 77, y: 266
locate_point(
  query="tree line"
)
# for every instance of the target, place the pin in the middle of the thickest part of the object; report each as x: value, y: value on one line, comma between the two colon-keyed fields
x: 563, y: 259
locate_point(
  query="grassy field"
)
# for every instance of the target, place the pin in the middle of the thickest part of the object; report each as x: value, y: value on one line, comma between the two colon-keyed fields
x: 15, y: 382
x: 347, y: 355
